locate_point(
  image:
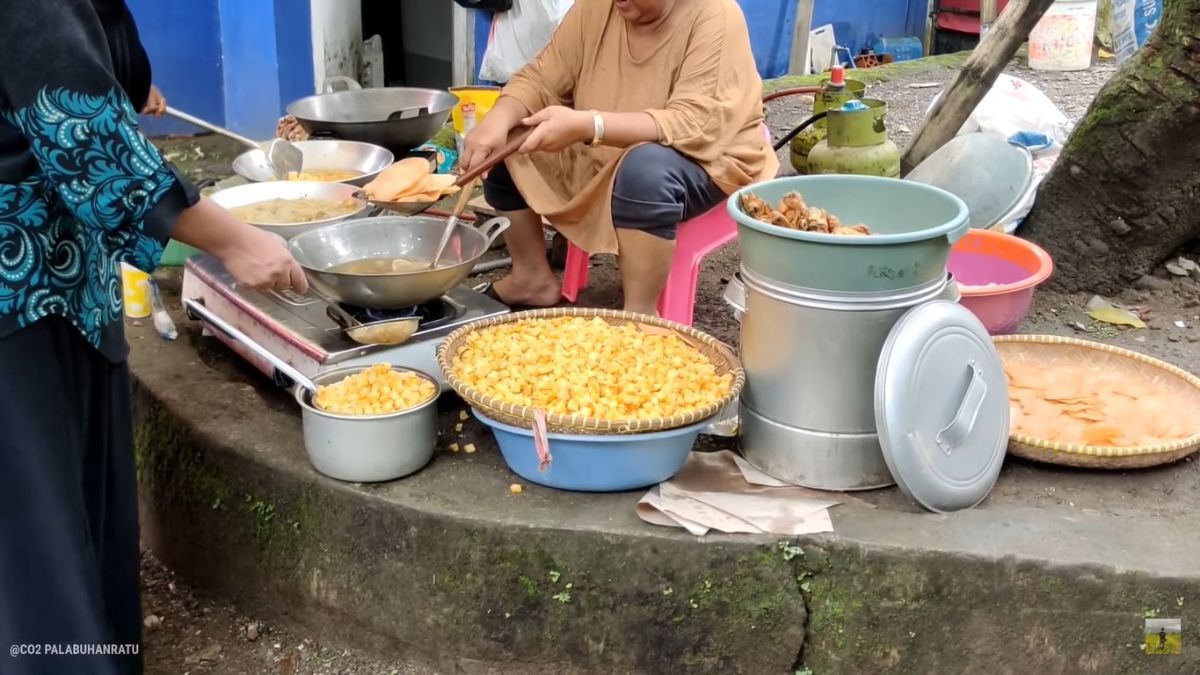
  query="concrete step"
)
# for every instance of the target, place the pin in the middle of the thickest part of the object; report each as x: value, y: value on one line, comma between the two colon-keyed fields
x: 1053, y: 574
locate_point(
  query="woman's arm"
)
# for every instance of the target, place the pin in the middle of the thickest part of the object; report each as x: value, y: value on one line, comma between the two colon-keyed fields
x: 82, y: 132
x: 558, y: 127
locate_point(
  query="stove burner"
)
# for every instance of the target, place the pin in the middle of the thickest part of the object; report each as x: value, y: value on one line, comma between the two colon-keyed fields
x: 432, y: 313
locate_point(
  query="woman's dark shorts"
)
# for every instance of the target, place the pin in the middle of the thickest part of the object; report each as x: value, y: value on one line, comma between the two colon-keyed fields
x: 656, y: 189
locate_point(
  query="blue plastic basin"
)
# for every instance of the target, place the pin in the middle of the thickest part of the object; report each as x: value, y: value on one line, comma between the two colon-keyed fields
x: 597, y: 463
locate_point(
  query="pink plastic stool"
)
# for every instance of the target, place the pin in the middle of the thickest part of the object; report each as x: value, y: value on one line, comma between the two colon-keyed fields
x: 694, y: 240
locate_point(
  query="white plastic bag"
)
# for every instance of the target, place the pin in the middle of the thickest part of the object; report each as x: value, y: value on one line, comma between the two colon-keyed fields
x: 518, y: 35
x: 1013, y: 105
x: 1133, y: 22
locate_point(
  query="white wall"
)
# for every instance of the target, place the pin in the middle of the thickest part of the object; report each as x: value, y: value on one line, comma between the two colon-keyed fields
x: 337, y: 39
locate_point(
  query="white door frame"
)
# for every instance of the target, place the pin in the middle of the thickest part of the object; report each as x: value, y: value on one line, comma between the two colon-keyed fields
x: 463, y: 65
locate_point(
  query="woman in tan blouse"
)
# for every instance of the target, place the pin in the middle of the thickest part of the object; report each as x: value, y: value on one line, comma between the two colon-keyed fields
x: 646, y: 113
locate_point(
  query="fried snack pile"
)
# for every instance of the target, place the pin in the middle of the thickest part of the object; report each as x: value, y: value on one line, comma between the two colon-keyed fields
x: 410, y: 180
x: 289, y: 129
x: 588, y: 367
x: 378, y: 390
x: 1071, y: 403
x: 794, y: 214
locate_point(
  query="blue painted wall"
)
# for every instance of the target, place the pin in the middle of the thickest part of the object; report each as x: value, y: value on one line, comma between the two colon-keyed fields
x: 233, y: 62
x: 856, y: 24
x: 183, y: 40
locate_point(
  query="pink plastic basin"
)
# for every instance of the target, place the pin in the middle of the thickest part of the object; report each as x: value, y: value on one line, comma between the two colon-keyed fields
x: 997, y: 273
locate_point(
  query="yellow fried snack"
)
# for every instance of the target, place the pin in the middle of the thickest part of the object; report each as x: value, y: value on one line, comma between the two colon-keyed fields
x: 378, y: 390
x: 588, y: 367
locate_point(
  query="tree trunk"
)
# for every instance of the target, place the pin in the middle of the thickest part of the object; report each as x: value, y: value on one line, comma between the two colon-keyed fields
x: 1125, y: 193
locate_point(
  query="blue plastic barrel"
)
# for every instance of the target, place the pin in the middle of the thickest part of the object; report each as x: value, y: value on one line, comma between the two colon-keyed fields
x: 904, y: 48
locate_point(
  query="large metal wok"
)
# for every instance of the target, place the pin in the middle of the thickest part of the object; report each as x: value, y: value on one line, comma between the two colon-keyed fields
x: 412, y: 239
x: 367, y: 159
x: 398, y: 118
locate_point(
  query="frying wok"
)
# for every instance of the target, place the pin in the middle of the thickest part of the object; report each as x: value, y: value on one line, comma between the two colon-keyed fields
x: 368, y: 160
x: 413, y: 239
x: 398, y: 118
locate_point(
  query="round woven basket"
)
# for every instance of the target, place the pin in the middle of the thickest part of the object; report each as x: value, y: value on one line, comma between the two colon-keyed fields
x: 1182, y: 385
x: 719, y: 354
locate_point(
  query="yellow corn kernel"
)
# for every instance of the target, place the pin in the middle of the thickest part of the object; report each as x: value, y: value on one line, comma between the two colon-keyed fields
x: 378, y: 390
x: 454, y: 447
x: 469, y: 448
x: 588, y: 367
x: 515, y: 488
x: 458, y: 427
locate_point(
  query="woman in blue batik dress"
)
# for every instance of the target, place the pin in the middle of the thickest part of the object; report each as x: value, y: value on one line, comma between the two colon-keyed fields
x: 81, y: 190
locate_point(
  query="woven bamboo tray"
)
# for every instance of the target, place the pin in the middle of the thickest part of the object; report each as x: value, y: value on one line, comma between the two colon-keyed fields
x: 1182, y: 385
x: 522, y: 416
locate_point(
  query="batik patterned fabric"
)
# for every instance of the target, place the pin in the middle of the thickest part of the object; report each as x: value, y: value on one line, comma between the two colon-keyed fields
x: 64, y: 230
x: 81, y: 189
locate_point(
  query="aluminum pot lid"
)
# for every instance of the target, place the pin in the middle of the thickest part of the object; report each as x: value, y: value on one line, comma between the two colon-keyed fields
x: 988, y: 173
x: 941, y: 407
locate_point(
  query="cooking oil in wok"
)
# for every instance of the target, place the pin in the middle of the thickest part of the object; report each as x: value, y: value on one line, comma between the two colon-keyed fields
x: 379, y: 265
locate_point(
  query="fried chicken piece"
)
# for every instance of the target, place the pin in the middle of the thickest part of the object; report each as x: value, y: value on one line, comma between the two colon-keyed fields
x: 756, y: 207
x: 792, y: 201
x: 289, y: 129
x: 795, y: 214
x: 855, y: 231
x: 759, y: 209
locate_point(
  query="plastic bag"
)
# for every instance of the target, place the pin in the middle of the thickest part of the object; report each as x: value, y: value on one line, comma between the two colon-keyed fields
x: 1012, y: 106
x: 1133, y: 22
x: 518, y: 35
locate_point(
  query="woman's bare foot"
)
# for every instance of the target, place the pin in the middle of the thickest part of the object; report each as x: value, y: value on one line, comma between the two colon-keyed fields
x: 650, y: 310
x: 539, y: 292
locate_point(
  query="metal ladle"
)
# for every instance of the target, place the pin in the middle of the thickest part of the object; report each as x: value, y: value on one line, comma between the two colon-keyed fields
x: 282, y: 156
x: 386, y: 332
x: 466, y: 183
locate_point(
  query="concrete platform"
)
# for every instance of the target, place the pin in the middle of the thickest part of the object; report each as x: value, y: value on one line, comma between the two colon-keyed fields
x: 1054, y: 573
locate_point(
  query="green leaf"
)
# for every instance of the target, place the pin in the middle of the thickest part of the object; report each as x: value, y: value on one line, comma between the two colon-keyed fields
x: 1116, y: 316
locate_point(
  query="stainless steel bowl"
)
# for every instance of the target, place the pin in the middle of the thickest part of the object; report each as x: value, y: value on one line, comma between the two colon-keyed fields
x: 398, y: 118
x: 365, y: 158
x: 368, y: 448
x: 251, y: 193
x: 411, y: 238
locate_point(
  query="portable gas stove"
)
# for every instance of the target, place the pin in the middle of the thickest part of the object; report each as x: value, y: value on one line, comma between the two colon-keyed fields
x: 298, y: 328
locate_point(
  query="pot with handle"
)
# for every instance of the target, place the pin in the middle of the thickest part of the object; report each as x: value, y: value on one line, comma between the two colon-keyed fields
x: 353, y: 448
x: 410, y: 240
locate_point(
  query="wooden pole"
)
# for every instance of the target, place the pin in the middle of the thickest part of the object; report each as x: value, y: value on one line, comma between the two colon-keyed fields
x: 799, y: 63
x: 974, y: 80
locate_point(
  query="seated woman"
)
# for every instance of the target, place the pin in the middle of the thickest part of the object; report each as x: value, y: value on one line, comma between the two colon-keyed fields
x: 645, y: 113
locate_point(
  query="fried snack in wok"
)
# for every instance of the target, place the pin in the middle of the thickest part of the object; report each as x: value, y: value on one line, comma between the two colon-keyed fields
x: 794, y: 214
x: 410, y: 180
x: 289, y: 129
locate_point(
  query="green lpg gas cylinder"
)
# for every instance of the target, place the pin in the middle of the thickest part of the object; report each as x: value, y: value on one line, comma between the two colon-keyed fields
x: 834, y: 92
x: 856, y: 142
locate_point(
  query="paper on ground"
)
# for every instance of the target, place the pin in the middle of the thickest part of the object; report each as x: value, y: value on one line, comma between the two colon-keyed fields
x: 721, y: 491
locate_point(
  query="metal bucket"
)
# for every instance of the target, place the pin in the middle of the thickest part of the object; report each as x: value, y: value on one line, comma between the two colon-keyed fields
x: 810, y: 358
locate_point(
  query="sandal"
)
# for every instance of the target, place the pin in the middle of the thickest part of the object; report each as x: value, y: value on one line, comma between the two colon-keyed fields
x: 488, y: 289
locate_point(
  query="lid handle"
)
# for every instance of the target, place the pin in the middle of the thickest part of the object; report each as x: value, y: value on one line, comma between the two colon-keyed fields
x: 953, y: 435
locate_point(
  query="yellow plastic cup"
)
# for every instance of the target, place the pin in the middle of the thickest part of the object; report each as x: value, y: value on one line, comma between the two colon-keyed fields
x: 136, y: 285
x: 473, y: 104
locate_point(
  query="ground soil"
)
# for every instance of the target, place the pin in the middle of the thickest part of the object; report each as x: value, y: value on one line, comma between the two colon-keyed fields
x: 198, y: 635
